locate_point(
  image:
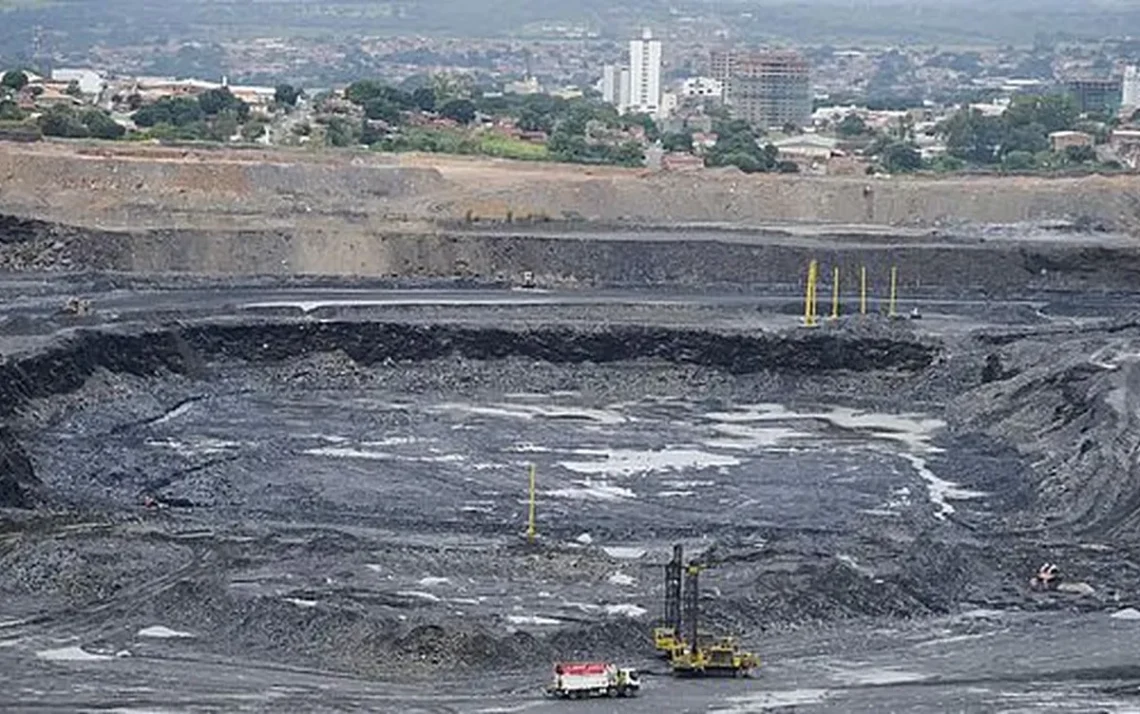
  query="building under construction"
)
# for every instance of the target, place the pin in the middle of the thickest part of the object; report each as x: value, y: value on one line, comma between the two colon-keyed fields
x: 768, y: 89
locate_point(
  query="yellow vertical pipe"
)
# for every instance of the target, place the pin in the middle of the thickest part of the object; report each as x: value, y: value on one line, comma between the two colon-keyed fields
x: 835, y: 293
x: 863, y: 291
x: 815, y: 292
x: 530, y: 529
x: 894, y: 289
x: 809, y: 295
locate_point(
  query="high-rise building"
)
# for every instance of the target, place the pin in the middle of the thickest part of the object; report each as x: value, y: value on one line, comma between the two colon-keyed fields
x: 1130, y: 87
x: 645, y: 74
x: 623, y: 91
x: 765, y: 88
x: 1096, y: 94
x: 611, y: 89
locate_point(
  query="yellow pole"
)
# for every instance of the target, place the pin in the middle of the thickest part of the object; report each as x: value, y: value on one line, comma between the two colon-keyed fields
x: 863, y: 291
x: 530, y: 530
x: 894, y: 289
x: 815, y: 292
x: 835, y: 293
x: 809, y: 295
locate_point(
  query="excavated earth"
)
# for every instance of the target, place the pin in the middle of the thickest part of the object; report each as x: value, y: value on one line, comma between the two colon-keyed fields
x: 254, y: 494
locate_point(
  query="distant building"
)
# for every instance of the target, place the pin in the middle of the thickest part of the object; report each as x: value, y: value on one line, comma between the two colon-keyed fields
x: 702, y: 87
x: 1061, y: 140
x: 611, y: 84
x: 1096, y: 94
x: 810, y: 152
x: 1130, y: 87
x: 767, y: 89
x: 529, y: 85
x: 676, y: 161
x: 623, y: 91
x: 1125, y: 144
x: 89, y: 81
x: 645, y: 74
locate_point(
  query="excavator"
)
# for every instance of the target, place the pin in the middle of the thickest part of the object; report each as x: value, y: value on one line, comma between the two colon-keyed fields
x: 692, y: 653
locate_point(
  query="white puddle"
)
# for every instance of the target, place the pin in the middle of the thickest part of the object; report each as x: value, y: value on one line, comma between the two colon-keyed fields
x: 300, y: 603
x: 431, y: 581
x: 532, y: 620
x: 628, y: 462
x: 174, y: 413
x: 195, y: 446
x: 625, y: 610
x: 532, y: 411
x: 940, y: 491
x: 162, y: 633
x: 750, y: 438
x: 1128, y: 613
x: 620, y: 579
x: 623, y: 552
x: 419, y: 594
x: 344, y: 452
x: 878, y: 677
x: 913, y: 431
x: 592, y: 491
x: 74, y: 653
x: 761, y: 701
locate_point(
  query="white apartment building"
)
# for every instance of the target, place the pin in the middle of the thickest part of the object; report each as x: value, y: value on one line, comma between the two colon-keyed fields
x: 611, y: 89
x: 1130, y: 87
x: 702, y: 87
x: 645, y: 74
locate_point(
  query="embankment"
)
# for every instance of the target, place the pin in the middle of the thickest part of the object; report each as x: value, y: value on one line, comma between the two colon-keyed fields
x: 352, y: 193
x: 686, y: 259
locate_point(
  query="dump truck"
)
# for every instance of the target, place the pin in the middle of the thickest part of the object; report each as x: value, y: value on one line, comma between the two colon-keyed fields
x: 578, y: 680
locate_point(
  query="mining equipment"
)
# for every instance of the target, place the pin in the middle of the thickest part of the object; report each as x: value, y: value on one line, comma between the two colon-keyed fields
x: 578, y: 680
x: 692, y: 653
x: 667, y: 639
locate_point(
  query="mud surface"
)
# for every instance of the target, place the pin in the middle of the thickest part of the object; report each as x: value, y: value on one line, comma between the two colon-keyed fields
x: 338, y: 481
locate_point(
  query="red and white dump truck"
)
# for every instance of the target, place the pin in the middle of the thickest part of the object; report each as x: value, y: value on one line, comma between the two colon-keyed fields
x: 575, y: 680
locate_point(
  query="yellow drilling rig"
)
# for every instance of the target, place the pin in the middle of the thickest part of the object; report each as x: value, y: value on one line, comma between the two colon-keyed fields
x: 692, y: 653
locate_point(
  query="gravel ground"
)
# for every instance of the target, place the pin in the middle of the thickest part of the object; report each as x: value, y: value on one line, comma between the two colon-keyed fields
x: 347, y: 533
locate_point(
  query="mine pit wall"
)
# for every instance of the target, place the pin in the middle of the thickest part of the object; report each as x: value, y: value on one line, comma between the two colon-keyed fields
x: 623, y: 260
x: 189, y: 349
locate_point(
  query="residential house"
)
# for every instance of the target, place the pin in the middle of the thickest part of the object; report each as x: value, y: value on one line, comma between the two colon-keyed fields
x: 811, y: 152
x: 1062, y: 140
x: 1125, y: 144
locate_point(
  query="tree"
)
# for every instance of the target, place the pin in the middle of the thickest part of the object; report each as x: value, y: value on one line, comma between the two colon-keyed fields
x: 216, y: 101
x: 681, y: 141
x: 176, y: 111
x: 101, y: 126
x: 62, y: 121
x: 1080, y: 154
x: 973, y: 136
x: 460, y: 110
x: 10, y: 111
x: 901, y: 157
x: 531, y: 120
x: 73, y: 89
x: 1019, y: 161
x: 851, y: 126
x: 14, y: 80
x: 629, y: 153
x: 383, y: 110
x: 254, y: 130
x: 736, y: 145
x: 788, y: 167
x: 424, y: 99
x: 286, y: 95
